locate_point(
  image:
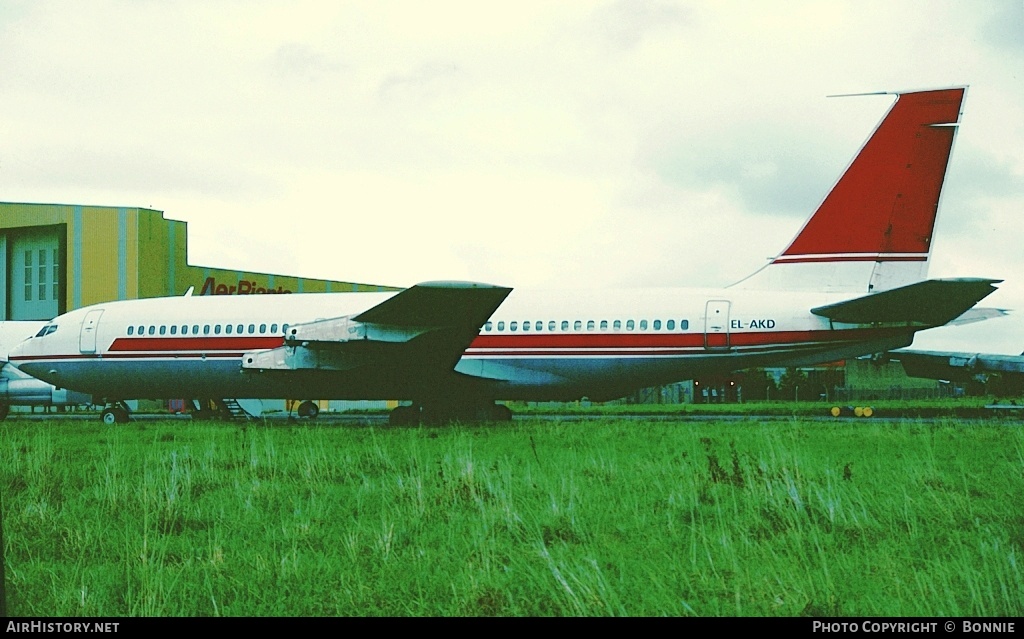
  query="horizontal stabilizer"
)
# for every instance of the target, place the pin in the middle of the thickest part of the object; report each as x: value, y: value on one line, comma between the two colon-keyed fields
x: 931, y: 303
x: 463, y: 304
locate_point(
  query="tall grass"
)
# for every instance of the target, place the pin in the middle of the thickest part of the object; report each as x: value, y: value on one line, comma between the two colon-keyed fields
x: 596, y: 518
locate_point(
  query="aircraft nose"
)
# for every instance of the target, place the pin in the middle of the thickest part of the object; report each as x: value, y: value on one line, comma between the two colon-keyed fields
x: 18, y: 351
x: 29, y: 357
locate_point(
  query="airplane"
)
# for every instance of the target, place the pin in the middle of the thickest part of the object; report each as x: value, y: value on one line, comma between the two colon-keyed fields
x: 964, y: 367
x: 20, y: 389
x: 852, y: 282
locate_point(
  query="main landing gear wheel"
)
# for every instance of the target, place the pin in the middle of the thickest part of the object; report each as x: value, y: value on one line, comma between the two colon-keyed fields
x: 114, y: 415
x: 308, y: 409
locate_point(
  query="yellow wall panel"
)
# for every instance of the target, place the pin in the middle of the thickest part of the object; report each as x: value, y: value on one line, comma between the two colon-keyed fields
x: 99, y: 255
x: 152, y: 263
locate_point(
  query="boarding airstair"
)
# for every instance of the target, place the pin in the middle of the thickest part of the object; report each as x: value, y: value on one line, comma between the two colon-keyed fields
x: 235, y: 409
x: 222, y: 409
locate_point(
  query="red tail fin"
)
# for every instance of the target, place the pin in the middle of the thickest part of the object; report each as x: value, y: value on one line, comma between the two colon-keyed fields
x: 882, y: 210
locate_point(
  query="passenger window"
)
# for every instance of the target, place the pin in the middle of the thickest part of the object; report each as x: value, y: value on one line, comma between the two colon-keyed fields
x: 163, y: 330
x: 684, y: 325
x: 551, y: 326
x: 142, y: 330
x: 195, y: 329
x: 252, y: 328
x: 184, y: 330
x: 565, y: 325
x: 526, y: 326
x: 630, y: 325
x: 273, y: 328
x: 501, y: 326
x: 263, y: 328
x: 216, y: 329
x: 174, y: 330
x: 206, y: 329
x: 512, y: 326
x: 670, y: 325
x: 487, y: 327
x: 131, y: 330
x: 228, y: 328
x: 643, y: 325
x: 152, y: 330
x: 604, y: 325
x: 539, y: 325
x: 590, y: 325
x: 617, y: 325
x: 577, y: 325
x: 657, y: 325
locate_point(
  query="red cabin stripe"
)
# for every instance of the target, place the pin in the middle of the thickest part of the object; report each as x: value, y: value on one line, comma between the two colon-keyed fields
x: 536, y: 345
x: 219, y: 343
x: 669, y: 340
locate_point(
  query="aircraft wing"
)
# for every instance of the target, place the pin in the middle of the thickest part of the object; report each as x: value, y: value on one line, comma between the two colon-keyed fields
x: 928, y: 303
x: 423, y: 330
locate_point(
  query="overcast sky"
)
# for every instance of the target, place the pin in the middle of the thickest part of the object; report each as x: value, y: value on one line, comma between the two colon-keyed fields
x: 551, y: 144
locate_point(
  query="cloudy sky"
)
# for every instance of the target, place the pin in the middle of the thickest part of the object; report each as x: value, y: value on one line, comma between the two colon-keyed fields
x: 549, y: 144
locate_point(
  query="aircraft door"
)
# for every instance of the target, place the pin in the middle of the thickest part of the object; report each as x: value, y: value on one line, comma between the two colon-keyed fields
x: 716, y: 324
x: 87, y: 338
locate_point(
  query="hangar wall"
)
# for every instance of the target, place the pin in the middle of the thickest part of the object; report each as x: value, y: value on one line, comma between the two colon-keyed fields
x: 59, y: 257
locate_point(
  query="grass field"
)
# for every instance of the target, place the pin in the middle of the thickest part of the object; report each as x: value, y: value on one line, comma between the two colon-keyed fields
x: 610, y: 517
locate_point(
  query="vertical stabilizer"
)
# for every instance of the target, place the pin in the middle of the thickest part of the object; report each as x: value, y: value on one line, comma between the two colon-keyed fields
x: 873, y: 231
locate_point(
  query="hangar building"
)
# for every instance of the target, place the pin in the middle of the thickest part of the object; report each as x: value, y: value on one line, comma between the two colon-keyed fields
x: 58, y: 257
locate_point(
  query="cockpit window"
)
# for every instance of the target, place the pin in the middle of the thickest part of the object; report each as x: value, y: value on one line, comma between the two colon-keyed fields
x: 46, y: 330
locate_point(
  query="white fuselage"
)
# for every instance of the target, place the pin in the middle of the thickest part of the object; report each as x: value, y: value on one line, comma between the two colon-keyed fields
x: 537, y: 345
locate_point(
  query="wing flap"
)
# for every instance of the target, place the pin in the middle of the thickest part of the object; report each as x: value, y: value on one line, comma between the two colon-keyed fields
x: 929, y: 303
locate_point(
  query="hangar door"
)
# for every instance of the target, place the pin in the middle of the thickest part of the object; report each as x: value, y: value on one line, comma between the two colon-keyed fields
x: 34, y: 281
